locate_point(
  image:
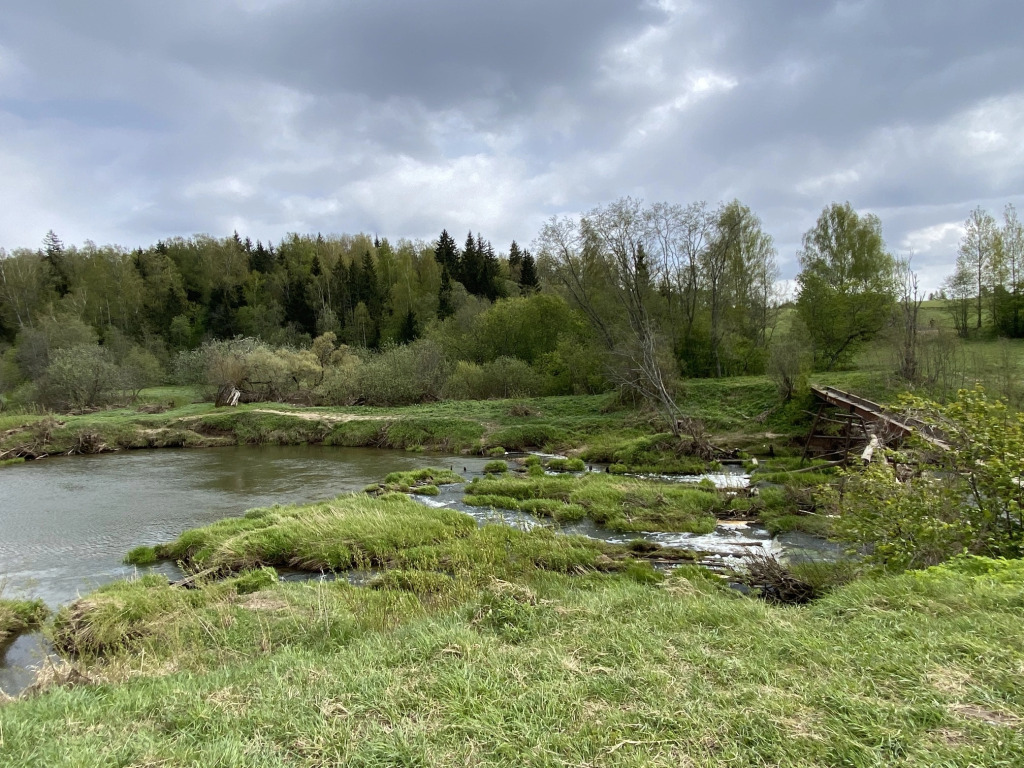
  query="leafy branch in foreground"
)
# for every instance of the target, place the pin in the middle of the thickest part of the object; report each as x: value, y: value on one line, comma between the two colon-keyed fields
x: 967, y: 499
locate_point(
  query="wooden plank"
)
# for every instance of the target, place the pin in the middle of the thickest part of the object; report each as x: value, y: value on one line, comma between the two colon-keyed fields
x: 873, y: 412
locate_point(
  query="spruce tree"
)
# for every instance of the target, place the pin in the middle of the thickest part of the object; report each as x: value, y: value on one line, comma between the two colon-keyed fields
x: 472, y: 263
x: 528, y: 275
x: 445, y: 307
x: 53, y: 254
x: 515, y: 261
x: 490, y: 278
x: 261, y: 259
x: 447, y: 253
x: 409, y: 330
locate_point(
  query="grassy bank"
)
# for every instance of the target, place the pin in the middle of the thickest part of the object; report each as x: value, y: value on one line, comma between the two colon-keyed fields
x: 543, y: 667
x: 595, y: 427
x: 17, y: 616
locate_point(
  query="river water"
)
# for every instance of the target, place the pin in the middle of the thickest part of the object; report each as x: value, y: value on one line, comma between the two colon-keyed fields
x: 67, y: 523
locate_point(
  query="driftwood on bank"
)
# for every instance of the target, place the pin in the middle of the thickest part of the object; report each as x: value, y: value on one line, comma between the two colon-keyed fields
x: 228, y: 396
x: 775, y: 582
x: 190, y: 581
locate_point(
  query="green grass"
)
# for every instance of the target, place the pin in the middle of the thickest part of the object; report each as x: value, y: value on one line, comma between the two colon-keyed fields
x: 551, y: 670
x: 17, y: 616
x: 594, y: 427
x: 353, y: 531
x: 421, y: 481
x: 619, y: 503
x: 566, y: 465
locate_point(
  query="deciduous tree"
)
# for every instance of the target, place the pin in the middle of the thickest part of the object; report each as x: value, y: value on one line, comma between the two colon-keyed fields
x: 845, y: 282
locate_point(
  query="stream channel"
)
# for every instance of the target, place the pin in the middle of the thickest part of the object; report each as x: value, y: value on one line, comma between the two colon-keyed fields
x: 67, y: 523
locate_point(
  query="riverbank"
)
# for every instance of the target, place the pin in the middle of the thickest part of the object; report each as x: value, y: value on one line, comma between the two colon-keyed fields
x: 18, y: 616
x: 738, y: 413
x: 739, y: 417
x: 488, y: 645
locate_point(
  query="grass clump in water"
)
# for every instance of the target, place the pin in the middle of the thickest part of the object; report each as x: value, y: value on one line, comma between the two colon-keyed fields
x: 17, y: 616
x: 424, y: 482
x: 495, y: 467
x: 347, y: 532
x: 566, y: 465
x: 144, y: 555
x: 620, y: 503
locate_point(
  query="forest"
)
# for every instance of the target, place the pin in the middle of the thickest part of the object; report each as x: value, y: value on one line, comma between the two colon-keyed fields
x: 628, y: 296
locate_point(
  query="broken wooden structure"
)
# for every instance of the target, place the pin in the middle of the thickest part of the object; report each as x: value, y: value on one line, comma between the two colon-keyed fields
x: 846, y: 424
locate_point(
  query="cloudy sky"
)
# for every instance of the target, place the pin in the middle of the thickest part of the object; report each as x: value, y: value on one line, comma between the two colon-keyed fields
x: 125, y: 121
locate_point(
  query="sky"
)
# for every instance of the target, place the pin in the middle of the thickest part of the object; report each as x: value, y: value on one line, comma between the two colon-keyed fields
x: 126, y: 122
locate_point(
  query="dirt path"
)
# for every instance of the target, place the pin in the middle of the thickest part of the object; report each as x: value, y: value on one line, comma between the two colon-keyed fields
x: 335, y: 418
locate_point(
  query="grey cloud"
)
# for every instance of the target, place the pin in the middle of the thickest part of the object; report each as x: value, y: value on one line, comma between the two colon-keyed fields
x: 130, y: 121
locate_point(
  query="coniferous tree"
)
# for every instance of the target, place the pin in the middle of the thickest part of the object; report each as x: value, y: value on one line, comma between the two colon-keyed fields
x: 444, y: 296
x: 341, y: 291
x: 53, y: 254
x: 370, y: 295
x: 472, y: 266
x: 409, y: 330
x: 490, y: 277
x: 447, y: 253
x: 528, y: 274
x: 261, y: 259
x: 515, y: 261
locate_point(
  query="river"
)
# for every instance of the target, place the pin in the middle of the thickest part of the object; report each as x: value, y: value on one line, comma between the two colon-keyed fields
x: 67, y: 523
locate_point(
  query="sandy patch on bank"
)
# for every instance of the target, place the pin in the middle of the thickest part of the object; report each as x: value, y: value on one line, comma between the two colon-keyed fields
x: 333, y: 417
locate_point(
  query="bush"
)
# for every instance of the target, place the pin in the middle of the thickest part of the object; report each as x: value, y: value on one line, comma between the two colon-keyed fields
x: 403, y: 375
x: 502, y: 378
x: 80, y: 376
x: 260, y: 371
x: 963, y: 499
x: 495, y: 467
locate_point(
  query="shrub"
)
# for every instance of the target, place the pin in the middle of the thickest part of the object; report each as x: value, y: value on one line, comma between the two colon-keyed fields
x: 963, y: 499
x: 403, y: 375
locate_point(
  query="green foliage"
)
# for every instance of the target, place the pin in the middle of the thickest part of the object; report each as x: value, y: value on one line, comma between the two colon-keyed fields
x: 80, y: 376
x: 143, y: 555
x: 348, y: 532
x: 403, y: 375
x: 509, y: 610
x: 495, y: 467
x: 418, y: 582
x: 965, y: 499
x: 789, y: 361
x: 426, y: 476
x: 501, y: 378
x: 649, y: 453
x: 845, y: 282
x: 533, y: 435
x: 919, y: 669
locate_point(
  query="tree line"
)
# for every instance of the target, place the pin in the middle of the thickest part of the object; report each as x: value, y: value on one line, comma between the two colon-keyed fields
x: 985, y: 293
x: 626, y: 295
